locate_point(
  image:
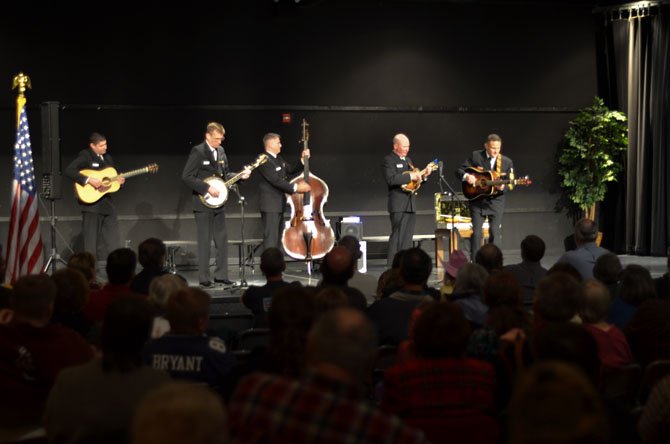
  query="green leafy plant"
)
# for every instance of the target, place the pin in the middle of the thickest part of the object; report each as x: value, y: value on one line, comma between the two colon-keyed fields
x: 592, y: 155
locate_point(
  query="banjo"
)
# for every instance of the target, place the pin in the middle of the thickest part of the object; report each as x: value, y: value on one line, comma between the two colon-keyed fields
x: 222, y: 185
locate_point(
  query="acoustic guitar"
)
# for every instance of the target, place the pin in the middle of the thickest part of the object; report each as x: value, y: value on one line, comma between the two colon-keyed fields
x: 413, y: 186
x: 110, y: 182
x: 487, y: 181
x: 222, y: 185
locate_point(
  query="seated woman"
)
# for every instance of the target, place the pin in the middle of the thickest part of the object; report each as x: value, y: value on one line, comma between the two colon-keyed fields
x: 468, y: 292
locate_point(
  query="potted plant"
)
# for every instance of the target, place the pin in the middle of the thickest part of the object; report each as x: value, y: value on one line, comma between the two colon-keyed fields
x: 591, y: 155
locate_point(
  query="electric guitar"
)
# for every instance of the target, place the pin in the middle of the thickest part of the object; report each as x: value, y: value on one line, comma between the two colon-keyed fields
x: 110, y: 182
x: 487, y: 181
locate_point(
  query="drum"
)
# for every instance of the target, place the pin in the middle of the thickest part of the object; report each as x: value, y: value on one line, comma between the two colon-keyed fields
x: 220, y: 185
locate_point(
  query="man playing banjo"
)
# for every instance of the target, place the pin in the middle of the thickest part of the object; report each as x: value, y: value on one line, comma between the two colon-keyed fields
x: 206, y: 160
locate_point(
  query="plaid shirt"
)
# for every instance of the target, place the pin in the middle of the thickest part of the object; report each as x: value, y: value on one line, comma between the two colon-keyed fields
x: 272, y: 409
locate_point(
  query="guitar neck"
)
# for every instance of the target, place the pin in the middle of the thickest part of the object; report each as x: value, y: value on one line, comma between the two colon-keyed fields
x: 132, y: 173
x: 234, y: 179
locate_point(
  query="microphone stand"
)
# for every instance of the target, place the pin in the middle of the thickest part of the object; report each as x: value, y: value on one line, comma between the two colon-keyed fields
x: 243, y: 252
x: 454, y: 198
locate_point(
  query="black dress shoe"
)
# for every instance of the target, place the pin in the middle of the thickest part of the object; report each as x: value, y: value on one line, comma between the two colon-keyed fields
x: 208, y: 284
x: 223, y: 281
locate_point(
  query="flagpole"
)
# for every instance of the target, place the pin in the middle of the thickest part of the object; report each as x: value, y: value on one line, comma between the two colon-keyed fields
x: 21, y: 81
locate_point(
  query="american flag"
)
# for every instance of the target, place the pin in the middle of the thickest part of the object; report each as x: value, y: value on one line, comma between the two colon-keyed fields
x: 24, y: 246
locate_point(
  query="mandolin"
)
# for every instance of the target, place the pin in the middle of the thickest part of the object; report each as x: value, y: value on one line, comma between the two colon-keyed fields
x: 110, y: 182
x: 413, y: 186
x: 487, y: 181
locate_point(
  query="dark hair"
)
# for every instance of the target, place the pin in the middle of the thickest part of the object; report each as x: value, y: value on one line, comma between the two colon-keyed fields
x: 493, y: 138
x: 636, y: 285
x: 125, y: 330
x: 270, y: 136
x: 397, y: 258
x: 84, y: 262
x: 95, y: 138
x: 272, y: 262
x: 441, y: 331
x: 597, y: 302
x: 607, y: 269
x: 415, y: 266
x: 120, y: 266
x: 72, y: 290
x: 151, y: 254
x: 490, y: 257
x: 571, y: 343
x: 532, y: 248
x: 502, y: 289
x: 565, y: 268
x: 557, y: 297
x: 185, y: 308
x: 586, y: 230
x: 33, y: 295
x: 337, y: 266
x: 328, y: 298
x: 351, y: 243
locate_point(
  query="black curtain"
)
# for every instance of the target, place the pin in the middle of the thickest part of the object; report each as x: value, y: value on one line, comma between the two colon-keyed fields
x: 635, y: 78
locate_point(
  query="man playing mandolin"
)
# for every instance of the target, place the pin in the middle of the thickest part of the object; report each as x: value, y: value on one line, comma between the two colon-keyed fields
x: 493, y: 205
x: 98, y: 218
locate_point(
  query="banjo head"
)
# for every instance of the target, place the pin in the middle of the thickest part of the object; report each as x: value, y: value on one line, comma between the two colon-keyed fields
x: 211, y: 201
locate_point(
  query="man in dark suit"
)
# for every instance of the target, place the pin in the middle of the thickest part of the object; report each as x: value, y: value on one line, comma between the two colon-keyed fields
x: 398, y: 170
x: 493, y: 207
x: 98, y: 218
x: 273, y: 187
x: 205, y: 160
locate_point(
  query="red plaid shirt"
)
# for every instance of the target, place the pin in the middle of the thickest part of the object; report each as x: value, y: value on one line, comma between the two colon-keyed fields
x: 272, y: 409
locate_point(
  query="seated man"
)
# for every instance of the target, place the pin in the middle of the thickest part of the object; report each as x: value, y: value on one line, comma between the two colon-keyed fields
x: 337, y: 269
x: 151, y: 255
x: 186, y: 352
x: 529, y: 272
x: 587, y: 252
x: 327, y: 404
x: 120, y: 269
x: 366, y: 283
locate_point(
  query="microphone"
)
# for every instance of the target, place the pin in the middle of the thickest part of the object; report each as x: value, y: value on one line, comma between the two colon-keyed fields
x: 440, y: 165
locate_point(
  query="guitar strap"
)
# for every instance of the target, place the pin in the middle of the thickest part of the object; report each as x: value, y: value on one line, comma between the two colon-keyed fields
x: 499, y: 163
x: 410, y: 164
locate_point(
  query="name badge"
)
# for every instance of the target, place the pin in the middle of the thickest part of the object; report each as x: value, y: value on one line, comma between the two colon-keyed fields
x: 205, y: 162
x: 399, y: 165
x: 278, y: 168
x: 95, y: 164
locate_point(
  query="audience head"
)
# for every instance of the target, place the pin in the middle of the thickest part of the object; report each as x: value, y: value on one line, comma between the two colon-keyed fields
x: 441, y: 331
x: 415, y: 266
x: 470, y: 279
x: 565, y: 268
x: 33, y: 298
x: 120, y: 266
x: 151, y: 254
x: 596, y: 302
x: 397, y: 258
x: 607, y: 269
x: 586, y: 231
x: 125, y: 330
x: 490, y: 257
x: 555, y: 404
x: 337, y: 266
x: 290, y: 317
x: 328, y: 298
x: 162, y: 287
x: 272, y: 262
x: 532, y: 248
x: 557, y: 298
x: 457, y: 259
x: 177, y: 413
x: 72, y: 291
x: 343, y: 338
x: 188, y: 311
x: 502, y: 288
x: 85, y: 263
x: 636, y: 285
x: 351, y: 243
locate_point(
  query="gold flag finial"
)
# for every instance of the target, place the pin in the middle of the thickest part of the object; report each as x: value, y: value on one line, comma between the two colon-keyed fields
x: 21, y: 81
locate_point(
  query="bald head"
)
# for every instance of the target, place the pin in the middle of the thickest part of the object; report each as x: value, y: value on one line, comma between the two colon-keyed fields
x: 401, y: 144
x: 338, y: 266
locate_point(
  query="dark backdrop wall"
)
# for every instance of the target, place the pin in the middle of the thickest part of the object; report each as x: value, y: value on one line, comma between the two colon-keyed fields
x: 447, y: 74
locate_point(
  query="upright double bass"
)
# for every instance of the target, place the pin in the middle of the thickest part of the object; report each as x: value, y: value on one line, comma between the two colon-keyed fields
x: 308, y: 235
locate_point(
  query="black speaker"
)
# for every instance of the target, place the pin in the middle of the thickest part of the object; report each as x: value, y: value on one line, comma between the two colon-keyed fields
x: 51, y: 165
x: 354, y: 229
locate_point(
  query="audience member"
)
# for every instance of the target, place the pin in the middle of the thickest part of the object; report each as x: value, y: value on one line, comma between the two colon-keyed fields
x: 557, y: 299
x: 160, y: 291
x: 389, y: 281
x: 178, y: 413
x: 327, y: 404
x: 96, y: 402
x: 85, y: 263
x: 635, y: 288
x: 648, y: 332
x: 391, y: 315
x: 608, y: 271
x: 613, y: 349
x: 468, y: 293
x: 33, y: 351
x: 151, y: 255
x: 555, y: 404
x: 587, y: 252
x: 457, y: 259
x: 490, y: 257
x: 258, y: 299
x: 120, y: 269
x: 565, y: 268
x: 364, y: 282
x: 337, y: 269
x: 441, y: 390
x: 71, y: 296
x: 529, y: 272
x: 328, y: 298
x: 654, y: 424
x: 186, y: 352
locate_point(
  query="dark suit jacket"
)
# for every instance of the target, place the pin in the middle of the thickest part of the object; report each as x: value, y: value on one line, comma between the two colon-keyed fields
x: 88, y: 160
x: 479, y: 158
x: 274, y: 183
x: 399, y: 201
x: 199, y: 166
